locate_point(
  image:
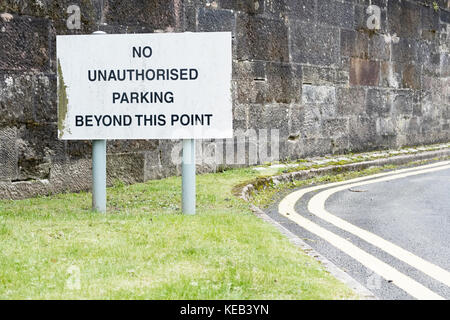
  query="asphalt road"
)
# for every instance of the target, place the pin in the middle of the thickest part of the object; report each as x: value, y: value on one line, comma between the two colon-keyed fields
x: 391, y: 232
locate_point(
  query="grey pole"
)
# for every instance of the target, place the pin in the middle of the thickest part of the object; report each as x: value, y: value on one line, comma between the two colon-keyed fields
x: 99, y: 171
x: 99, y: 175
x: 188, y: 177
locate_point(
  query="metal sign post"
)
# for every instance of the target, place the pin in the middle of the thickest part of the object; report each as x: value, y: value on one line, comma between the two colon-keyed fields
x: 188, y: 177
x: 99, y: 175
x: 99, y: 171
x: 144, y: 86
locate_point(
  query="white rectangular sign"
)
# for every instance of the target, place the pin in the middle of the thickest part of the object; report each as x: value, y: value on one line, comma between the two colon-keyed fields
x: 145, y: 86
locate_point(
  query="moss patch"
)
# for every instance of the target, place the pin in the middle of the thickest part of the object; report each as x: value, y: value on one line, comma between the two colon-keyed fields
x: 63, y: 101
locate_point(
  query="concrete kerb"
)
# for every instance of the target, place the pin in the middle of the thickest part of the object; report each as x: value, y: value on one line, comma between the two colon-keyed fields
x: 338, y: 273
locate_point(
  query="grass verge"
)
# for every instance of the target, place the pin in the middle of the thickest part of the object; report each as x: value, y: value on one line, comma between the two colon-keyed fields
x: 55, y: 248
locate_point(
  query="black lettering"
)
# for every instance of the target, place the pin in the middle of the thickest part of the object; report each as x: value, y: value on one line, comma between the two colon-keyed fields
x: 88, y: 121
x: 134, y: 97
x: 158, y: 97
x: 140, y: 74
x: 130, y: 74
x: 101, y: 74
x: 161, y: 120
x: 124, y: 98
x: 174, y: 74
x: 160, y: 74
x: 199, y: 119
x: 123, y: 75
x: 139, y: 117
x: 208, y: 119
x: 168, y: 97
x: 147, y: 52
x: 193, y: 74
x: 98, y: 119
x: 174, y: 119
x: 127, y: 120
x: 79, y: 121
x: 137, y: 52
x: 107, y: 120
x: 144, y: 97
x: 117, y: 120
x: 116, y: 96
x: 148, y: 120
x: 185, y: 120
x: 94, y: 77
x: 152, y: 72
x: 184, y: 74
x: 112, y: 76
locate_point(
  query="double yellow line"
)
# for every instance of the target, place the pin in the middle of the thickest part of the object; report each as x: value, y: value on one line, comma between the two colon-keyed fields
x: 316, y: 206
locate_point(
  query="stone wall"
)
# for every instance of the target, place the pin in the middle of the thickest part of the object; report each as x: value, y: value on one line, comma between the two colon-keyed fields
x: 310, y: 68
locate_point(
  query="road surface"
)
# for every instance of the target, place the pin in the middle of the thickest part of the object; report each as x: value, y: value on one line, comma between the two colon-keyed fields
x: 390, y: 231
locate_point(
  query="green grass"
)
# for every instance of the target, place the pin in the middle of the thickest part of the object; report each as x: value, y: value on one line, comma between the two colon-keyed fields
x: 144, y: 248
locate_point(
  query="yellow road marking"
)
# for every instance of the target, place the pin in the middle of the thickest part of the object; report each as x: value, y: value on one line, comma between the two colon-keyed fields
x: 412, y: 287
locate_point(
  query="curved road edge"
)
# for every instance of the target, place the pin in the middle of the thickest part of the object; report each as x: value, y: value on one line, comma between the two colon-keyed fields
x: 338, y: 273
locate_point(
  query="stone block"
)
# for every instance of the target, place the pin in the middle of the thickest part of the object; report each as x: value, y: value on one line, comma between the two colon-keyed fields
x: 77, y: 149
x: 364, y: 72
x: 312, y: 121
x: 283, y: 83
x: 429, y: 23
x: 216, y: 20
x: 403, y: 102
x: 445, y: 16
x: 125, y: 167
x: 250, y: 81
x: 335, y: 128
x: 379, y: 48
x: 318, y: 75
x: 266, y: 82
x: 91, y: 12
x: 8, y: 154
x: 38, y: 146
x: 331, y: 12
x: 44, y: 98
x: 247, y: 6
x: 445, y: 65
x: 390, y: 75
x: 316, y: 146
x: 314, y: 44
x: 240, y: 116
x: 305, y: 10
x: 259, y: 38
x: 24, y: 44
x: 328, y: 110
x: 404, y: 19
x: 386, y: 127
x: 362, y: 133
x: 269, y: 117
x: 78, y: 179
x: 16, y: 99
x: 411, y: 76
x: 429, y: 57
x: 318, y: 94
x: 350, y: 101
x: 131, y: 146
x: 274, y: 8
x: 354, y: 44
x: 405, y: 50
x: 154, y: 14
x: 378, y: 102
x: 297, y: 118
